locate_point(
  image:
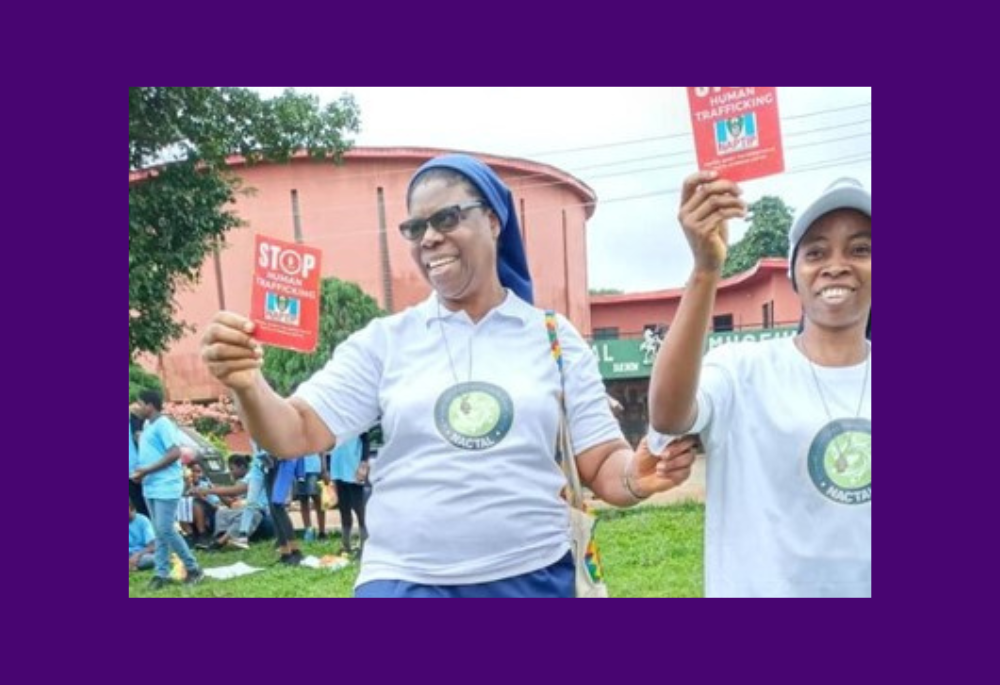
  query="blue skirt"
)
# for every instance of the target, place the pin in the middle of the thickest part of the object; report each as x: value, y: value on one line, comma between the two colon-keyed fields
x: 556, y: 581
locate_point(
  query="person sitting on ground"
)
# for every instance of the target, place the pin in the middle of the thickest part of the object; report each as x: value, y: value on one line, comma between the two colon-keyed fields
x: 205, y: 504
x: 256, y: 500
x: 141, y: 541
x: 228, y: 521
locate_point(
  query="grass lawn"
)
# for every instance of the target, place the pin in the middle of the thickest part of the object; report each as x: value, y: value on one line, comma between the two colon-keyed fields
x: 653, y: 551
x: 647, y: 552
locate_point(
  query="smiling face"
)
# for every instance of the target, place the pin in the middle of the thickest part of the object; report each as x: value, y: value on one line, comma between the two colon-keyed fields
x: 460, y: 264
x: 833, y: 270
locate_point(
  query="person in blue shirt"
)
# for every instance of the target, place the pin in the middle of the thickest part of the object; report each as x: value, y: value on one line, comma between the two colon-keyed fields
x: 141, y: 541
x: 159, y: 471
x: 349, y: 470
x: 204, y: 506
x: 310, y: 469
x: 229, y: 526
x: 280, y: 481
x: 134, y: 489
x: 133, y: 454
x: 257, y: 506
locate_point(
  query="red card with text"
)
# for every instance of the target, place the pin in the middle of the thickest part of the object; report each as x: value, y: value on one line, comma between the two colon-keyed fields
x: 737, y: 131
x: 284, y: 302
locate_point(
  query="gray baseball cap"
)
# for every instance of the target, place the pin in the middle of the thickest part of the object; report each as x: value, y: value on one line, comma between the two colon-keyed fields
x: 844, y: 193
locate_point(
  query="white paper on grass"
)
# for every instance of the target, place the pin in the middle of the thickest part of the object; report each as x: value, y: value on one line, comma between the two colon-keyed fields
x: 230, y: 572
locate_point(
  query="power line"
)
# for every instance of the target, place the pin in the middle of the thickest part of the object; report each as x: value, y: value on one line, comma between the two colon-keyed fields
x: 523, y: 183
x: 688, y: 163
x: 672, y: 136
x: 683, y: 153
x: 832, y: 127
x: 844, y: 161
x: 845, y: 108
x: 575, y: 170
x: 831, y: 140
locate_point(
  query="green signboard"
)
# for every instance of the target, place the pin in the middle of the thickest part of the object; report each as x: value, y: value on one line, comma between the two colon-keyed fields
x: 624, y: 359
x: 619, y: 359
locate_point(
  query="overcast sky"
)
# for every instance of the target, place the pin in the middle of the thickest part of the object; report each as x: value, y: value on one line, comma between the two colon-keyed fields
x: 633, y: 146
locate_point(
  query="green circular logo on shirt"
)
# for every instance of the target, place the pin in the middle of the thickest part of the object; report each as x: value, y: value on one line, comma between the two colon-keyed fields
x: 474, y: 416
x: 840, y: 461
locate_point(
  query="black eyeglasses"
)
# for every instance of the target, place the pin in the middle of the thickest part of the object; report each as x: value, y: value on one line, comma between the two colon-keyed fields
x: 444, y: 220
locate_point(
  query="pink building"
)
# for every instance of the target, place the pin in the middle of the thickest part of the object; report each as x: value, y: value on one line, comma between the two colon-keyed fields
x: 759, y: 298
x: 351, y: 212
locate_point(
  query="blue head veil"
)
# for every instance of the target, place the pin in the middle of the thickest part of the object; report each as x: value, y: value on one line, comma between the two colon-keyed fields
x: 512, y: 265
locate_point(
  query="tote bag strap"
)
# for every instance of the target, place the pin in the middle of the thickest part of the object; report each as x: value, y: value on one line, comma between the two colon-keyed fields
x: 564, y: 444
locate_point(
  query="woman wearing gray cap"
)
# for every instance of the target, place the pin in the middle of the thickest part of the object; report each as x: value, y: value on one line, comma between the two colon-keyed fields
x: 465, y: 492
x: 786, y: 423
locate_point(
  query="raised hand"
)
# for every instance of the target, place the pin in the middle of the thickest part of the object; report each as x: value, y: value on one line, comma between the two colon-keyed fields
x: 231, y: 353
x: 707, y: 203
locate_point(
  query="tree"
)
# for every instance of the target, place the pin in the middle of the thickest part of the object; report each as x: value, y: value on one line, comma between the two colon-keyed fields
x: 138, y: 380
x: 180, y: 211
x: 770, y: 219
x: 344, y: 309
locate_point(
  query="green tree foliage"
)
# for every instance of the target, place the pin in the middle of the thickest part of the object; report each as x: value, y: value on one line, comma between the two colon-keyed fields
x: 344, y: 309
x: 770, y: 219
x: 181, y: 210
x: 138, y: 380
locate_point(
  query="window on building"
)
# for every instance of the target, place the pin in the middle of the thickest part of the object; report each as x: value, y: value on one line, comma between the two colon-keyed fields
x: 722, y: 323
x: 768, y: 314
x: 606, y: 333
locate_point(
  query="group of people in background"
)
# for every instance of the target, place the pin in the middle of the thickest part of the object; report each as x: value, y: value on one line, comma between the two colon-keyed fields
x: 174, y: 505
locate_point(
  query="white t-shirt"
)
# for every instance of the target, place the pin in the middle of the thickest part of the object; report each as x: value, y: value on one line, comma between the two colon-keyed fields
x: 789, y: 510
x: 466, y: 488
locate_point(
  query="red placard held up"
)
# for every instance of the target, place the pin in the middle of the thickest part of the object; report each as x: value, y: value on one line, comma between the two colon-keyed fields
x: 284, y: 302
x: 737, y: 131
